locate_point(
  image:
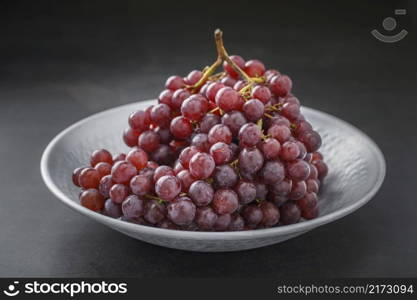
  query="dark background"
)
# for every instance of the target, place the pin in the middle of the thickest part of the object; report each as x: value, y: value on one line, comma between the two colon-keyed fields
x: 63, y: 61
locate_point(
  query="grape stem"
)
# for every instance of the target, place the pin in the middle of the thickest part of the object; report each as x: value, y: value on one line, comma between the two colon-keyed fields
x: 223, y: 56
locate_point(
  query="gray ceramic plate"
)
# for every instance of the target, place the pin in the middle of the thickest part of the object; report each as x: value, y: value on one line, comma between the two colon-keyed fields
x: 357, y: 170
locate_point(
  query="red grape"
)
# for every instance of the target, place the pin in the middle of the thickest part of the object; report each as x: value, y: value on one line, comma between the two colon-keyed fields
x: 298, y: 170
x: 162, y: 171
x: 161, y: 115
x: 194, y: 107
x: 208, y: 121
x: 252, y: 214
x: 165, y: 97
x: 225, y: 176
x: 168, y: 187
x: 182, y: 211
x: 220, y: 133
x: 270, y: 148
x: 280, y: 132
x: 105, y: 185
x: 130, y: 137
x: 140, y: 120
x: 200, y: 141
x: 141, y: 184
x: 99, y: 156
x: 149, y: 140
x: 186, y: 155
x: 221, y: 152
x: 212, y: 90
x: 206, y: 218
x: 229, y: 99
x: 234, y: 120
x: 181, y: 128
x: 225, y: 201
x: 174, y: 83
x: 112, y: 209
x: 250, y: 160
x: 280, y: 85
x: 193, y: 77
x: 133, y: 207
x: 250, y: 135
x: 201, y: 193
x: 254, y: 68
x: 246, y: 191
x: 272, y: 172
x: 138, y: 158
x: 261, y: 93
x: 118, y: 193
x: 89, y: 178
x: 186, y: 180
x: 92, y: 199
x: 201, y: 165
x: 289, y: 213
x: 238, y: 60
x: 75, y: 176
x: 253, y: 109
x: 122, y: 172
x: 270, y: 214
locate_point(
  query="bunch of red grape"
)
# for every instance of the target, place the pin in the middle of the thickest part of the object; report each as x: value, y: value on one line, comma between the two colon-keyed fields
x: 218, y: 152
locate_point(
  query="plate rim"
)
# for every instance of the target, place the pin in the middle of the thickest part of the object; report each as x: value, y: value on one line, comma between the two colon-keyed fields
x: 203, y: 235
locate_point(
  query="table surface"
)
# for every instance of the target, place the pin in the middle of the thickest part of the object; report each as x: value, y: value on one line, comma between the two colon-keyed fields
x: 62, y: 62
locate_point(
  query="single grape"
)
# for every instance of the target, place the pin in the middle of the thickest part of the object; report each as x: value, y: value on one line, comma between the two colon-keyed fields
x: 270, y: 148
x: 141, y: 184
x: 236, y: 223
x: 99, y: 156
x: 229, y: 99
x: 118, y: 193
x: 298, y: 170
x: 220, y: 133
x: 254, y: 68
x: 92, y: 199
x: 234, y: 120
x: 250, y: 160
x: 201, y: 165
x: 200, y: 141
x: 155, y: 212
x: 280, y: 132
x: 272, y: 172
x: 165, y: 97
x: 208, y: 121
x: 162, y: 171
x: 222, y: 223
x: 228, y: 81
x: 186, y: 180
x: 239, y: 61
x: 282, y: 188
x: 291, y: 111
x: 253, y: 109
x: 280, y: 85
x: 112, y: 209
x: 201, y: 193
x: 76, y: 174
x: 298, y: 190
x: 225, y: 201
x: 140, y: 120
x: 168, y: 187
x: 194, y: 107
x: 179, y: 97
x: 289, y: 151
x: 138, y: 158
x: 212, y: 90
x: 163, y: 155
x: 161, y: 115
x: 308, y: 202
x: 130, y: 137
x: 270, y: 214
x: 262, y: 93
x: 250, y: 135
x: 193, y: 77
x: 174, y: 83
x: 221, y: 153
x: 311, y: 140
x: 133, y: 207
x: 322, y: 169
x: 182, y: 211
x: 225, y: 176
x: 301, y: 127
x: 122, y: 172
x: 89, y: 178
x: 205, y: 218
x: 246, y: 190
x: 252, y: 215
x: 103, y: 169
x: 181, y: 128
x: 149, y: 140
x: 289, y: 213
x: 204, y: 87
x: 187, y: 154
x: 105, y: 185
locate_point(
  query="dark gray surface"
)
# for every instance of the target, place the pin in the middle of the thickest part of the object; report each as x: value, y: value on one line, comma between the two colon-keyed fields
x: 60, y: 63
